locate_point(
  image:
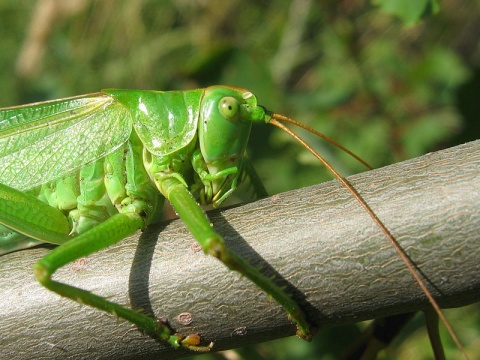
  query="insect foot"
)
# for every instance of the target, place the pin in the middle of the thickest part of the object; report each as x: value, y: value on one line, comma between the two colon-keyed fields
x: 306, y: 335
x: 190, y: 342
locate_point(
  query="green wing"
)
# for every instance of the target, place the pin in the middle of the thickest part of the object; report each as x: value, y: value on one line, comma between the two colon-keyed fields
x: 44, y: 141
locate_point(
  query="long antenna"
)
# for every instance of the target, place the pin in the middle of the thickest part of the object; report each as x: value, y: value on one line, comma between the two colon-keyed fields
x: 275, y: 120
x: 323, y: 136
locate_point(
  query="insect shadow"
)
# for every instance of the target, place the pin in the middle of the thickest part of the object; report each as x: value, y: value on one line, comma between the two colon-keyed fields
x: 139, y: 279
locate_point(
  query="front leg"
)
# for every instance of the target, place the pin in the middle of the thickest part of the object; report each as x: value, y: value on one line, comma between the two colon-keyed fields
x: 210, y: 183
x: 213, y: 244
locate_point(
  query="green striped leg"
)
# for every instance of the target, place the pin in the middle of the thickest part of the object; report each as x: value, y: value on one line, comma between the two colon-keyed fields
x: 103, y: 235
x: 213, y: 244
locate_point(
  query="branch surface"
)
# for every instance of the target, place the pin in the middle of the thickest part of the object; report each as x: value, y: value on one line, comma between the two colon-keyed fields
x: 316, y: 241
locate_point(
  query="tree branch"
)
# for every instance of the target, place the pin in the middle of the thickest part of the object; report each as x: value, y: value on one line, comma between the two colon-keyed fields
x: 317, y: 241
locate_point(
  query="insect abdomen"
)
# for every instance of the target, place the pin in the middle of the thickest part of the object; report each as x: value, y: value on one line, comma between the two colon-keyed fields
x: 115, y: 183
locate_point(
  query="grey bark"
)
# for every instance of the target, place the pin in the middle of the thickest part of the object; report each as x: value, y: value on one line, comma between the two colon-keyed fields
x: 317, y: 241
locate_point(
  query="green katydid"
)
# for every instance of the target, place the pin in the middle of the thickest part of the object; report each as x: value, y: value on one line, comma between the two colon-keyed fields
x: 87, y: 171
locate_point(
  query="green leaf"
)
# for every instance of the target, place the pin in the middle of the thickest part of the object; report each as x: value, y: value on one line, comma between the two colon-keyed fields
x: 409, y: 11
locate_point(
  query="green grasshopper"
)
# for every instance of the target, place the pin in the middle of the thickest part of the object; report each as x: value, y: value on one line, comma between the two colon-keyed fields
x: 86, y: 172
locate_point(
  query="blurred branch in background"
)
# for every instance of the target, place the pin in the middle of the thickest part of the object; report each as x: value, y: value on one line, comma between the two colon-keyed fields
x: 47, y: 15
x: 286, y: 57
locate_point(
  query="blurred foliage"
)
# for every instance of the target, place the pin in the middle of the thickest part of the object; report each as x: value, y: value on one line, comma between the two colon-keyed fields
x: 388, y: 79
x: 409, y: 11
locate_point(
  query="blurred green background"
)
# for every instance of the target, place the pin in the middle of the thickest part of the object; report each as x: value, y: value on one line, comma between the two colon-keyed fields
x: 388, y: 79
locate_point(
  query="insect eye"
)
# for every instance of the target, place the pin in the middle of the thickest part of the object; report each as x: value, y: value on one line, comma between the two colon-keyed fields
x: 229, y: 108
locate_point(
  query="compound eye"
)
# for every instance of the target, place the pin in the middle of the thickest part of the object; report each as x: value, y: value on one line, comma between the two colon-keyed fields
x: 229, y: 108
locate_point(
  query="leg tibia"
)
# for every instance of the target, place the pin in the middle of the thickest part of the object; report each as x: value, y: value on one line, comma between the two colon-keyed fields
x: 213, y: 244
